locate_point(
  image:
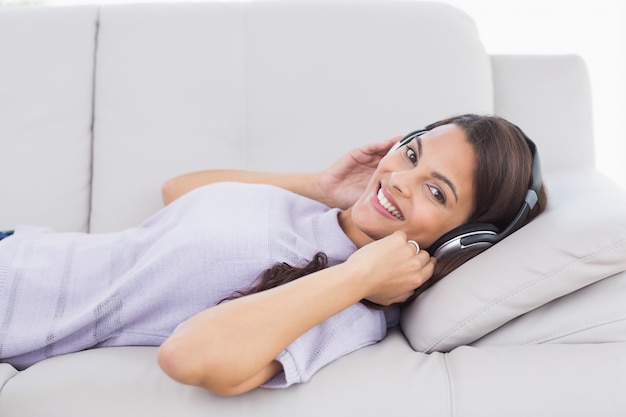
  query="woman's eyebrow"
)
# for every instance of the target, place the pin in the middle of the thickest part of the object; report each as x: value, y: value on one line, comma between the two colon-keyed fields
x: 450, y: 184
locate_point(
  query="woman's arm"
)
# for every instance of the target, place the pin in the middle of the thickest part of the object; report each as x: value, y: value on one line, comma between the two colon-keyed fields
x: 338, y: 186
x: 303, y: 184
x: 231, y: 348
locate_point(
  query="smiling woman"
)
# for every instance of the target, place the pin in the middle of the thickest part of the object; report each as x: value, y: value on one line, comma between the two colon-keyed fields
x: 279, y: 277
x: 461, y: 174
x: 468, y: 168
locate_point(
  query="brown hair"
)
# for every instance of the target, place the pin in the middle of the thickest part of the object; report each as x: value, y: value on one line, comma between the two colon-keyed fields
x: 504, y: 165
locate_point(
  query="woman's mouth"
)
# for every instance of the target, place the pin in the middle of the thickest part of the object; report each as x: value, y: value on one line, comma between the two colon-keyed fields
x: 384, y: 202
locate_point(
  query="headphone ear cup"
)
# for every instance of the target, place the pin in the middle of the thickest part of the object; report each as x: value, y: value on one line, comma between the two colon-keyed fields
x: 469, y: 235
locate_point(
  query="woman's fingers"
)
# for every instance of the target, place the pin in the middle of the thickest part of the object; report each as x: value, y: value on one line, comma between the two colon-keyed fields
x: 395, y: 267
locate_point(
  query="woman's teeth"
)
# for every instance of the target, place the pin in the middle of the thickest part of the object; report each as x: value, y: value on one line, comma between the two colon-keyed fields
x: 388, y: 206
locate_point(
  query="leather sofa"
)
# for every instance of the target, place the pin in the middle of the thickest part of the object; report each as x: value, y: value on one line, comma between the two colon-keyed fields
x: 99, y: 105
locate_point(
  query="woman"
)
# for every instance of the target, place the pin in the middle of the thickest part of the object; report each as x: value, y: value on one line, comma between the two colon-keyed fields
x: 196, y: 261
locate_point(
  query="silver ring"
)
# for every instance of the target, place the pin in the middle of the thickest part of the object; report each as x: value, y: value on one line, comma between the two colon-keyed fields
x: 417, y: 247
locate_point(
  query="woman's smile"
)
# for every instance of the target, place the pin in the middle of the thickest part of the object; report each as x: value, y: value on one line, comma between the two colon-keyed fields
x: 384, y: 203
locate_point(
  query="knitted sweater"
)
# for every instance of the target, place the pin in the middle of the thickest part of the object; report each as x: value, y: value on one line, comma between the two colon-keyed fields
x: 65, y: 292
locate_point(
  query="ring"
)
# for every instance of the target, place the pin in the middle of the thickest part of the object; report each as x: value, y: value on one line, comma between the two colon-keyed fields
x: 417, y: 247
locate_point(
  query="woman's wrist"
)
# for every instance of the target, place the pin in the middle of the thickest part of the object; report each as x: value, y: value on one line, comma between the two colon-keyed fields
x: 317, y: 190
x: 356, y: 275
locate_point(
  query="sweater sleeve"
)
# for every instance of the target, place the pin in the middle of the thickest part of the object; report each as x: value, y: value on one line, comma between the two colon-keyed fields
x: 353, y: 328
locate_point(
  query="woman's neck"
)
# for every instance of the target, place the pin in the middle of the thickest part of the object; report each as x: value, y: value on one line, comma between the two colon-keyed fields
x: 354, y: 233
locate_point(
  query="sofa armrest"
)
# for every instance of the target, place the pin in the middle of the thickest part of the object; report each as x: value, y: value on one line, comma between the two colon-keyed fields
x: 550, y: 96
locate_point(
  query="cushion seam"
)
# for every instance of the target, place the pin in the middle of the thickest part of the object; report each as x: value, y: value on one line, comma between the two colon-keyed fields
x: 576, y: 329
x: 451, y: 403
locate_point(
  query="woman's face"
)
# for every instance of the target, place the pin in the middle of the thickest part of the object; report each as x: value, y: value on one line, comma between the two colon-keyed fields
x: 424, y: 188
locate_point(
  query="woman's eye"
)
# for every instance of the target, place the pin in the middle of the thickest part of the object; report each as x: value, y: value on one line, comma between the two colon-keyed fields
x: 438, y: 195
x: 412, y: 155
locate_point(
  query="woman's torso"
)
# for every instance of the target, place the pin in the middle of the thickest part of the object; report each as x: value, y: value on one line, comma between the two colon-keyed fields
x: 62, y: 292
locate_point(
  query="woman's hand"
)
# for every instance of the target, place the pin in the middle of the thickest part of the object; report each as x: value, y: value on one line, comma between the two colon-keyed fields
x: 343, y: 183
x: 392, y: 268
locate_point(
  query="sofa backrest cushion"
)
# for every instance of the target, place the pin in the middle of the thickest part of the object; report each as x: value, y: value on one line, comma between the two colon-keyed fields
x: 281, y: 86
x: 550, y: 98
x: 46, y: 85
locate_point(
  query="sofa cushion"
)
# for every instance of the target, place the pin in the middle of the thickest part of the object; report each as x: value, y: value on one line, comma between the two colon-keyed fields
x: 127, y: 381
x: 279, y: 86
x: 399, y: 66
x: 580, y: 239
x: 558, y: 88
x: 170, y: 98
x: 46, y: 96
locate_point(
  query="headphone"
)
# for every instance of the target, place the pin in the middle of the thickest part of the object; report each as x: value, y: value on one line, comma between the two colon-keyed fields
x: 485, y: 235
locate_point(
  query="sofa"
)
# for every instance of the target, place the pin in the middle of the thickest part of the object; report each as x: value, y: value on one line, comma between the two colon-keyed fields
x: 99, y: 105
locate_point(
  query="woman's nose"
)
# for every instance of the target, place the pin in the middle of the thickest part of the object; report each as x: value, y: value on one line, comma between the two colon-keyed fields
x: 403, y: 181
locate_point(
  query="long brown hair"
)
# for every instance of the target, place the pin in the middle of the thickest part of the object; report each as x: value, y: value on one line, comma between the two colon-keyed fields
x: 503, y: 172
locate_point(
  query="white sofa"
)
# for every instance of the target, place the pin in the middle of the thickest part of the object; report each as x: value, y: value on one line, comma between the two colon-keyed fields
x: 100, y: 105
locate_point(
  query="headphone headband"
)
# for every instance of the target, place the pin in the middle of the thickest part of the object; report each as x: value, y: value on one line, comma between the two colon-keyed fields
x: 408, y: 138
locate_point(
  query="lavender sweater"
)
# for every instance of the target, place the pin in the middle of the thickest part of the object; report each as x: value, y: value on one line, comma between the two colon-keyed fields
x: 65, y: 292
